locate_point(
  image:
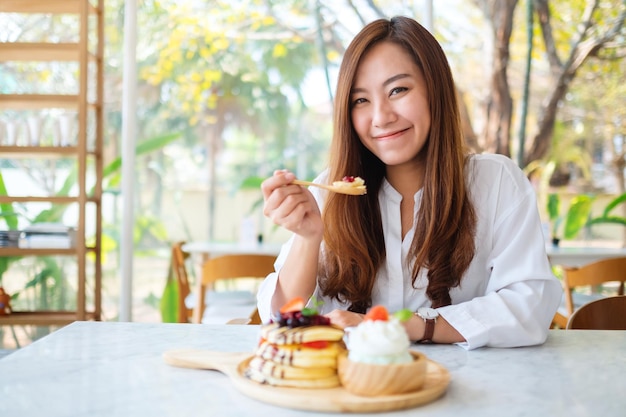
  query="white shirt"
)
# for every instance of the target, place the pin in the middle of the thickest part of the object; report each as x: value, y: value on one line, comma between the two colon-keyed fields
x: 508, y: 295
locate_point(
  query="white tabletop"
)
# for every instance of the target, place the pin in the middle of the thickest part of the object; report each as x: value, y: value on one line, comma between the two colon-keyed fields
x: 101, y: 369
x: 234, y: 248
x: 577, y: 256
x: 566, y: 256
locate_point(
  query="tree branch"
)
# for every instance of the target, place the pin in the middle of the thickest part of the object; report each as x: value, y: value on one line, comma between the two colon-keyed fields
x: 376, y: 10
x: 356, y: 12
x: 543, y: 13
x: 583, y: 49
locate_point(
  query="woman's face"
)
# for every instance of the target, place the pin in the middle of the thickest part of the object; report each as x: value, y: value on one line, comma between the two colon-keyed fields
x: 390, y: 111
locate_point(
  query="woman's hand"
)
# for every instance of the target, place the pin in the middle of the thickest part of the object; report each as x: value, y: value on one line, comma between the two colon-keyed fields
x: 291, y: 206
x: 344, y: 318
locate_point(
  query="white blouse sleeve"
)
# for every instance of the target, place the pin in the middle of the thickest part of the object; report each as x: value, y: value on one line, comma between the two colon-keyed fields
x: 521, y: 295
x: 268, y: 286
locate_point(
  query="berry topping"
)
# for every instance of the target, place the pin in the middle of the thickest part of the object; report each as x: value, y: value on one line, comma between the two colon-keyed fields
x: 294, y: 314
x: 295, y: 304
x: 348, y: 178
x: 297, y: 319
x: 377, y: 313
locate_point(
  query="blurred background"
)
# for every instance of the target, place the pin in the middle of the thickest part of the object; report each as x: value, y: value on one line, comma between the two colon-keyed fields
x: 229, y: 91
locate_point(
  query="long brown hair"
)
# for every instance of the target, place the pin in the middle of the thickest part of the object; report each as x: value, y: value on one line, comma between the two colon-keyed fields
x: 446, y: 221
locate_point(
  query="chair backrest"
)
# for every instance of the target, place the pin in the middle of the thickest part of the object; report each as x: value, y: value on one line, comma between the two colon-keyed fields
x: 180, y: 271
x: 228, y: 267
x: 604, y: 314
x: 596, y: 273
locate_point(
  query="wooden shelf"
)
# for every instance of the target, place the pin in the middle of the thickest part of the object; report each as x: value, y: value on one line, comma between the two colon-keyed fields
x: 43, y: 318
x: 38, y: 101
x: 38, y: 52
x: 43, y: 6
x: 41, y: 101
x: 39, y: 199
x: 14, y: 251
x: 36, y: 252
x: 25, y: 151
x: 86, y: 147
x: 45, y: 199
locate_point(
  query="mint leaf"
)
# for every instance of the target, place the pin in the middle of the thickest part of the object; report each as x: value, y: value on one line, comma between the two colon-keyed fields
x: 403, y: 315
x: 308, y: 311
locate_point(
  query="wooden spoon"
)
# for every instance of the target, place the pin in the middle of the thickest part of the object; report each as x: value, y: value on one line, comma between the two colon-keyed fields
x: 359, y: 190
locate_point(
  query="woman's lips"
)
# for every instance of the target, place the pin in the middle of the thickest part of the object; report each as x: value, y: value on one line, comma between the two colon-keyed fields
x: 390, y: 135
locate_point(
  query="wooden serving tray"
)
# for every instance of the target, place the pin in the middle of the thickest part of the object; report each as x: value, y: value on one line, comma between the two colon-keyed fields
x: 326, y: 400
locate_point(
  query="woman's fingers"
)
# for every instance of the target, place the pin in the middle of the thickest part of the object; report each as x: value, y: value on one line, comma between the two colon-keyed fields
x: 344, y: 318
x: 290, y: 206
x: 284, y: 204
x: 279, y: 179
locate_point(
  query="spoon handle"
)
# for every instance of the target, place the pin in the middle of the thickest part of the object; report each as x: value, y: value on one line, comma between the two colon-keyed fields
x: 314, y: 184
x: 341, y: 190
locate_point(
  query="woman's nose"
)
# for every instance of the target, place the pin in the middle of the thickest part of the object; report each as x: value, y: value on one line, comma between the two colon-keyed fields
x: 383, y: 114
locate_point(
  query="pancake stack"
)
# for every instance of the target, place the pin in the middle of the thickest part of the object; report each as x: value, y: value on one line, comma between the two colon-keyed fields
x: 298, y: 350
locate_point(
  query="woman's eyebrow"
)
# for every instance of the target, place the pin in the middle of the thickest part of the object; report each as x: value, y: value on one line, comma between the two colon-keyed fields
x: 395, y: 78
x: 388, y: 81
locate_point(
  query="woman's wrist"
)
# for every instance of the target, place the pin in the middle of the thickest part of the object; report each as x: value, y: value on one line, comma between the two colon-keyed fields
x: 415, y: 328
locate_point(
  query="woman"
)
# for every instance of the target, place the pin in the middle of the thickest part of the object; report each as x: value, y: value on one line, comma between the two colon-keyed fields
x: 455, y: 238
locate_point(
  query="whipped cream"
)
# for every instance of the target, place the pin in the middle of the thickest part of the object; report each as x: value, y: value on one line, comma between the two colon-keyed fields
x: 379, y: 342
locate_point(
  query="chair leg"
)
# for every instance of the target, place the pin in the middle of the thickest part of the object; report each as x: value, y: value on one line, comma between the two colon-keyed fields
x: 559, y: 321
x: 255, y: 318
x: 238, y: 321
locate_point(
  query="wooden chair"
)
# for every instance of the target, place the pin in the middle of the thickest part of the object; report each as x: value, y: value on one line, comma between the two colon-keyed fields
x: 603, y: 314
x: 180, y: 272
x: 593, y: 274
x: 231, y: 267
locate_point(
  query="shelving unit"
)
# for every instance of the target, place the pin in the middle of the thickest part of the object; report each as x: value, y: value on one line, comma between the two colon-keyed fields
x: 87, y: 52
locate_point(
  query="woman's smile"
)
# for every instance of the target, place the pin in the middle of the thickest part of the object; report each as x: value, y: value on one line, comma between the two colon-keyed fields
x: 390, y: 135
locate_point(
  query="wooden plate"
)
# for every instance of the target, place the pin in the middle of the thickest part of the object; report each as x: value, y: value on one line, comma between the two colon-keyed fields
x: 326, y: 400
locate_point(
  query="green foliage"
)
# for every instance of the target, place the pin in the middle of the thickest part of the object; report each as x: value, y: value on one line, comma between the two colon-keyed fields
x: 606, y: 216
x: 48, y: 285
x: 577, y: 215
x: 574, y: 219
x: 614, y: 203
x: 169, y: 299
x: 146, y: 226
x: 145, y: 147
x: 7, y: 214
x: 554, y: 210
x: 251, y: 183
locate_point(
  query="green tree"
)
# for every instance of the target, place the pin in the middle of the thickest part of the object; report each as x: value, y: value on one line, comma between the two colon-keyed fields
x: 225, y: 69
x: 572, y: 33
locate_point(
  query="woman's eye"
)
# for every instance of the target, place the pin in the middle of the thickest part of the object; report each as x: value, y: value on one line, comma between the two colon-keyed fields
x: 358, y: 101
x: 397, y: 90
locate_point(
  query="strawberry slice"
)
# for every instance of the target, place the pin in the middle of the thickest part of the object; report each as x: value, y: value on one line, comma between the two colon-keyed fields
x: 377, y: 313
x: 295, y: 304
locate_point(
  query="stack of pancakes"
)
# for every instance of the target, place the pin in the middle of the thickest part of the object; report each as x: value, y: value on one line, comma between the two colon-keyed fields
x: 300, y: 357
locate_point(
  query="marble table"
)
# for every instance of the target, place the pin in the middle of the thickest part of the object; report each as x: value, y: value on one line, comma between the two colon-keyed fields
x: 211, y: 249
x: 99, y: 369
x: 577, y: 256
